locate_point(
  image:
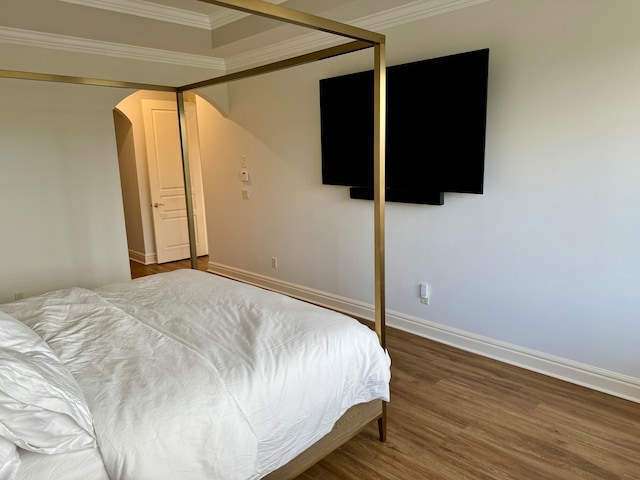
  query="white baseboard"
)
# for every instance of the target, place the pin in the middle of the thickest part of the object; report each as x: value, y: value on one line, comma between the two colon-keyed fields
x: 143, y: 258
x: 605, y: 381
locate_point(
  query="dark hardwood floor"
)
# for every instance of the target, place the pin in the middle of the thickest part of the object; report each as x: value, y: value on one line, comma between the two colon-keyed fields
x: 454, y: 415
x: 140, y: 270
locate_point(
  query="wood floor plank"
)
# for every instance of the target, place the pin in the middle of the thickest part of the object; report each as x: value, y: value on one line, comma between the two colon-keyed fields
x: 140, y: 270
x: 454, y: 415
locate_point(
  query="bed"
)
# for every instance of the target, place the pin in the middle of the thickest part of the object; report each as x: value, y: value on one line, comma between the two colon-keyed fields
x: 180, y: 375
x: 101, y: 415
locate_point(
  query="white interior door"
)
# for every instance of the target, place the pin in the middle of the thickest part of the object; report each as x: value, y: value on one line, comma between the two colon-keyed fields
x: 166, y: 180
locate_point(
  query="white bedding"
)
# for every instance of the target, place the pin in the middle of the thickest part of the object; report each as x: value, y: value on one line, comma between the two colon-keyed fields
x: 81, y: 465
x: 193, y: 376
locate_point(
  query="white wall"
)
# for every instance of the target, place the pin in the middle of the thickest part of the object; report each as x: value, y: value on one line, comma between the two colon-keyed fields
x: 61, y: 209
x: 546, y: 260
x: 129, y: 183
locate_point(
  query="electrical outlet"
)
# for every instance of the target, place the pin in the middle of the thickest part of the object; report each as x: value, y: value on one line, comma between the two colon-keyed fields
x: 18, y: 295
x: 245, y: 194
x: 274, y: 262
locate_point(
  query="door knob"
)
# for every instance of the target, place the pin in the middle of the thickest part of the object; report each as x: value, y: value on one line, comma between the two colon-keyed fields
x: 158, y: 204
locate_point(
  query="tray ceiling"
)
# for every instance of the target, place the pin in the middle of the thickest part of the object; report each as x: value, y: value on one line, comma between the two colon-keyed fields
x: 176, y: 41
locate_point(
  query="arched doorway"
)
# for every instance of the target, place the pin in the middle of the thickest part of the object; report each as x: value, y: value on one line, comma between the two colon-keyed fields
x: 147, y: 138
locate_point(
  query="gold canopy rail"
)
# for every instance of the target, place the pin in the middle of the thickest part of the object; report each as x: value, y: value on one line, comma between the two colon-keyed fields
x: 360, y: 39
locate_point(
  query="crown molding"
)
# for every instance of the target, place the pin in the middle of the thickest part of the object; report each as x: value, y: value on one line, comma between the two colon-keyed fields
x: 164, y: 13
x: 412, y: 12
x: 315, y: 41
x: 229, y: 15
x: 150, y: 10
x: 82, y: 45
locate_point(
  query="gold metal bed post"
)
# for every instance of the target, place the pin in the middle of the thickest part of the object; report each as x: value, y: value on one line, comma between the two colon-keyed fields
x: 380, y: 95
x: 186, y: 172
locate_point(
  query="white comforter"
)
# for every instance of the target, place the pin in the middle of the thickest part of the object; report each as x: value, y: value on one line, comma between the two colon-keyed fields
x: 193, y: 376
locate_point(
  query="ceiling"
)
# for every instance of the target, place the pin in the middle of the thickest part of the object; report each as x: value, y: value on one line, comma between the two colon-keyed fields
x: 176, y: 41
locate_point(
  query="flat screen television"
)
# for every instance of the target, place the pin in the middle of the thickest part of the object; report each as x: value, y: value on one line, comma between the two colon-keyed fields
x: 436, y: 124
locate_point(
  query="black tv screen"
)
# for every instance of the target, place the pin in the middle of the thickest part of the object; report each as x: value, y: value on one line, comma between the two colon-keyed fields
x: 436, y: 122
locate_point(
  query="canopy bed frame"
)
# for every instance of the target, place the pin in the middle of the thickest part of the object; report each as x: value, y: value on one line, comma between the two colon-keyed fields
x: 358, y: 417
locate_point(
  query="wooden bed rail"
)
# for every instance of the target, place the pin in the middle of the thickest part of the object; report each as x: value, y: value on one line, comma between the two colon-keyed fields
x: 356, y: 419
